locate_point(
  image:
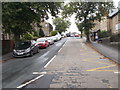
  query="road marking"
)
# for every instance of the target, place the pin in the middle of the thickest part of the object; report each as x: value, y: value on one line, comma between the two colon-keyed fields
x: 117, y: 72
x: 107, y: 70
x: 97, y: 62
x: 60, y: 50
x: 23, y: 85
x: 58, y: 44
x: 110, y: 86
x: 95, y: 69
x: 39, y: 73
x: 49, y: 62
x: 45, y: 54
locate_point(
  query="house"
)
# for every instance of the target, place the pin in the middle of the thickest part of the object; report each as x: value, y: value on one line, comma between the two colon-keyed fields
x: 109, y: 23
x: 47, y: 28
x: 113, y: 21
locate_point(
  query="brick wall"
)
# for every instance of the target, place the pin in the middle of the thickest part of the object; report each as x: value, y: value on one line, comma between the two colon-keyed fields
x: 7, y: 46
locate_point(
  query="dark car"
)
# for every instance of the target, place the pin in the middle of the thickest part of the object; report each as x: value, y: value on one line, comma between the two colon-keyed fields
x: 25, y: 48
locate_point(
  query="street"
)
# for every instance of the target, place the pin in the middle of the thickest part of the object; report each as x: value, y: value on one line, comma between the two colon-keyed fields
x: 69, y: 63
x: 19, y: 70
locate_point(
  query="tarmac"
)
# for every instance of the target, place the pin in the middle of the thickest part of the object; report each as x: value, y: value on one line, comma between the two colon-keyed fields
x: 105, y: 50
x: 78, y: 66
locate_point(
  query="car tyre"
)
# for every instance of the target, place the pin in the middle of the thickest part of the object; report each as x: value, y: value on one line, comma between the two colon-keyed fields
x: 38, y: 50
x: 31, y: 53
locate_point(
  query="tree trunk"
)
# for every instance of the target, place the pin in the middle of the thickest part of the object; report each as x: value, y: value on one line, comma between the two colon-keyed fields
x: 16, y: 37
x: 87, y: 35
x: 88, y: 38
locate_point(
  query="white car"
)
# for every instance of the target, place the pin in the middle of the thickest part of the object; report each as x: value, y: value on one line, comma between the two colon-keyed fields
x: 50, y: 40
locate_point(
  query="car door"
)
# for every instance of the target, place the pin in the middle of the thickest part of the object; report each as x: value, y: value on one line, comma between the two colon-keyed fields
x: 33, y: 46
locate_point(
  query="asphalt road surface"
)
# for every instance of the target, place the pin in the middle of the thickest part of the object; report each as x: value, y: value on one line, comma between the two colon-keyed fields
x: 20, y: 70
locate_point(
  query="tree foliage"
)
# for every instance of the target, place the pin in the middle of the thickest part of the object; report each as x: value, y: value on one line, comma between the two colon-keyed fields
x: 87, y: 12
x: 17, y: 17
x: 53, y: 33
x: 61, y: 25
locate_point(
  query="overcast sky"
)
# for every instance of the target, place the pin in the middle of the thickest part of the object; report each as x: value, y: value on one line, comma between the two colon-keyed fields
x: 73, y: 27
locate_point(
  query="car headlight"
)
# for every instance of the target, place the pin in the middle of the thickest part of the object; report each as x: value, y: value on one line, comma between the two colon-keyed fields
x: 27, y: 50
x: 14, y: 50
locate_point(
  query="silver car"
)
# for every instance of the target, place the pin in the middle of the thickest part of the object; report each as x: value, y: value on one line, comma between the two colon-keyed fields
x: 50, y: 40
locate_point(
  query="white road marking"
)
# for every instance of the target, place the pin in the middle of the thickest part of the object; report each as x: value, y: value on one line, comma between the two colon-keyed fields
x: 58, y: 44
x: 60, y: 50
x: 116, y: 72
x: 45, y: 54
x: 30, y: 81
x: 39, y: 73
x: 49, y: 62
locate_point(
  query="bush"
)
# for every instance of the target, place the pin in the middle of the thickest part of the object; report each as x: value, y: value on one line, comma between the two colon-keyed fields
x: 103, y: 34
x: 53, y: 33
x: 27, y: 36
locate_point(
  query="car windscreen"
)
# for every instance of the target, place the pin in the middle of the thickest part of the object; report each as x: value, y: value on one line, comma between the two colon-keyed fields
x: 22, y: 45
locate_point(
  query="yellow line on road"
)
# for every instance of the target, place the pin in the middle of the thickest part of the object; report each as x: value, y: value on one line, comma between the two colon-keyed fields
x: 108, y: 70
x: 100, y: 68
x: 97, y: 62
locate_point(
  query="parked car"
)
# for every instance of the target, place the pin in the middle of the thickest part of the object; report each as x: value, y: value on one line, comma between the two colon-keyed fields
x: 25, y: 48
x: 50, y: 40
x: 54, y: 38
x: 76, y: 35
x: 42, y: 42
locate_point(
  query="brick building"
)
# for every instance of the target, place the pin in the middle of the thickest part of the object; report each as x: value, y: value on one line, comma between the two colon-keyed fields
x: 113, y: 21
x: 47, y: 28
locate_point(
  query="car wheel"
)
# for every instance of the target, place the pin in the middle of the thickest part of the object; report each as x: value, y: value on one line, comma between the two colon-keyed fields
x: 38, y: 50
x: 31, y: 53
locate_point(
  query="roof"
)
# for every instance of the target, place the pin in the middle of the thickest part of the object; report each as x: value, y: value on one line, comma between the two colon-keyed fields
x: 113, y: 12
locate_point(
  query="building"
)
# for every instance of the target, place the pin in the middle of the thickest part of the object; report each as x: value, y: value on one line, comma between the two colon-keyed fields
x: 47, y: 28
x: 109, y: 23
x: 114, y: 21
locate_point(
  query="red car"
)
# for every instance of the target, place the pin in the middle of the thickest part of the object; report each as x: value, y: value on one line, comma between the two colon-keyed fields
x: 76, y: 35
x: 42, y: 43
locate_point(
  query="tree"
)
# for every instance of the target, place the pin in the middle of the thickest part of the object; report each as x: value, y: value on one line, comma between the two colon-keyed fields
x: 80, y: 28
x: 61, y: 25
x: 87, y: 12
x: 53, y: 33
x: 17, y: 17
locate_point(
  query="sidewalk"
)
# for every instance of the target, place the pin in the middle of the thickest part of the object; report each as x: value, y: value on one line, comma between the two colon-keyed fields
x: 78, y: 66
x: 107, y: 51
x: 7, y: 56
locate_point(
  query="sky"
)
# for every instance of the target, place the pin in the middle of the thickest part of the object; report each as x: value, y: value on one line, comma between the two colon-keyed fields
x: 73, y: 27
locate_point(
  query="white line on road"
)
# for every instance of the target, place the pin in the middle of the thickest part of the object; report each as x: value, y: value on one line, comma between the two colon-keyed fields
x: 30, y: 81
x: 116, y: 72
x: 49, y: 62
x: 39, y: 72
x: 60, y: 50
